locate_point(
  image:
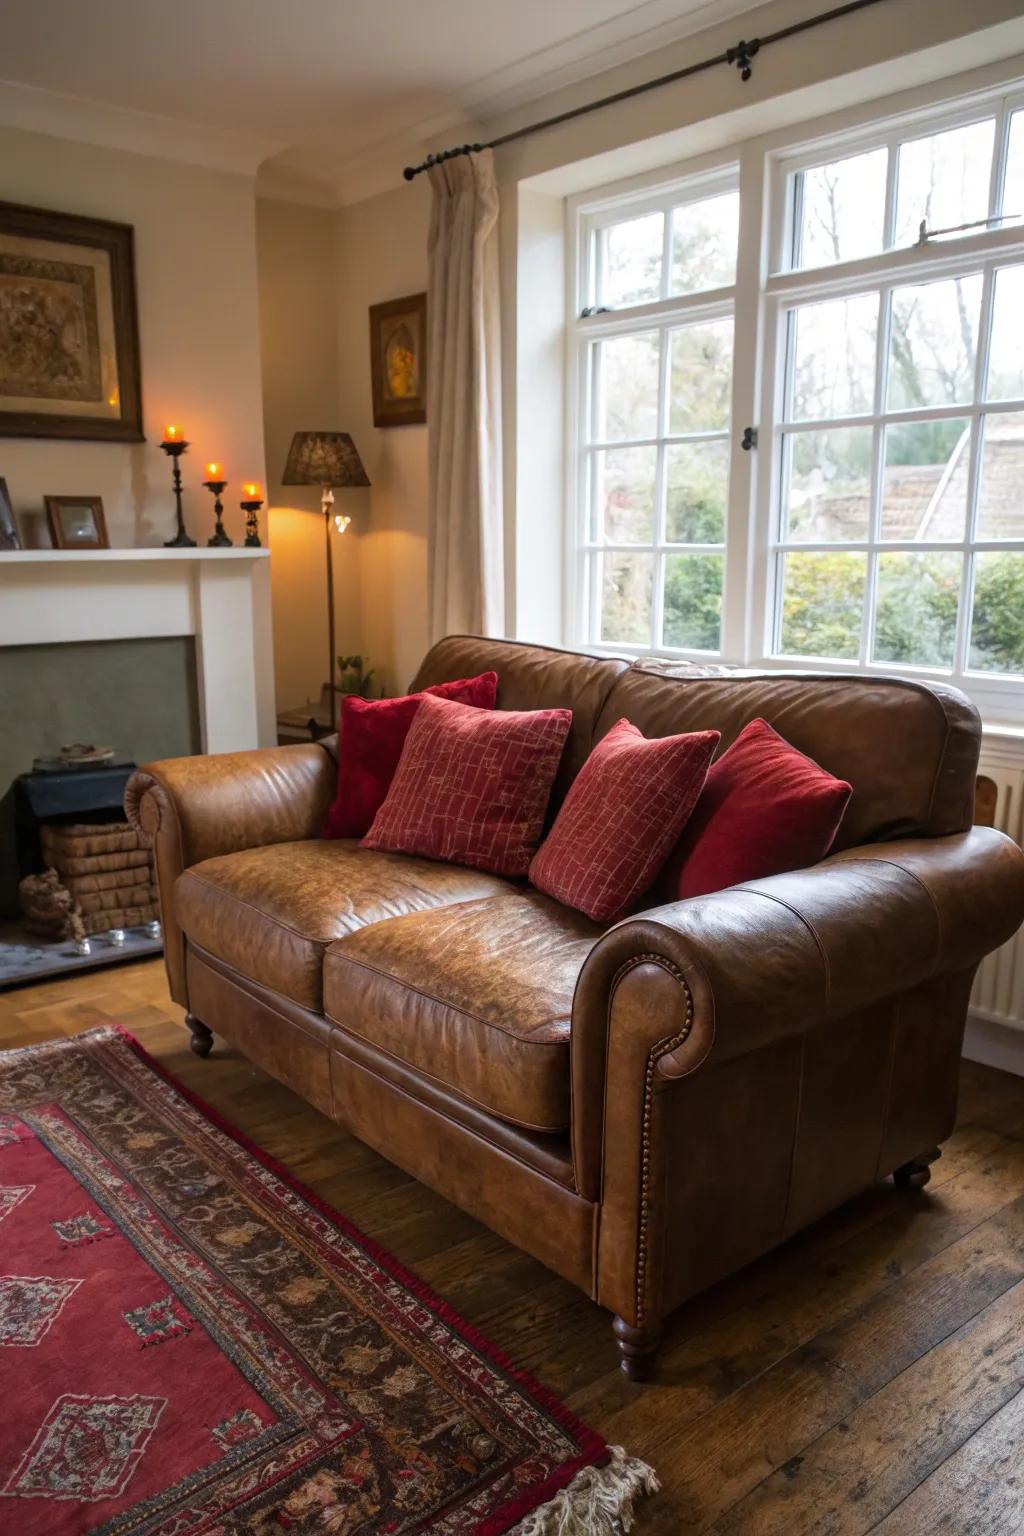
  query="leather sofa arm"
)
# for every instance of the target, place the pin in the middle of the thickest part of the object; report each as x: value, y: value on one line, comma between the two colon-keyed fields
x: 712, y: 978
x: 193, y: 808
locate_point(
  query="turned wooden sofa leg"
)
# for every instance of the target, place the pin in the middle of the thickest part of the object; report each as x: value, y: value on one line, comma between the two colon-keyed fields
x: 637, y: 1349
x: 916, y: 1173
x: 202, y: 1038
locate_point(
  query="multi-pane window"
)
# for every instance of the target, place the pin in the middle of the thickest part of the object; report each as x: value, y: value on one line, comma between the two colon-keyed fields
x: 879, y: 521
x: 899, y: 444
x: 655, y: 391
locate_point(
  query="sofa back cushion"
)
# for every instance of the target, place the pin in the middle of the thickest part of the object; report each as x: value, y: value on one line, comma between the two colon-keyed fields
x: 909, y: 750
x: 532, y: 677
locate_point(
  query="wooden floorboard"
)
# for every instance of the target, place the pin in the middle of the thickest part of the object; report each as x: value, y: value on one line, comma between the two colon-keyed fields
x: 865, y: 1377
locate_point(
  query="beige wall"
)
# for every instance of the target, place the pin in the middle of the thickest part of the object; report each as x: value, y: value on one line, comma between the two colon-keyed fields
x: 382, y: 254
x: 195, y: 259
x: 319, y: 273
x: 298, y: 331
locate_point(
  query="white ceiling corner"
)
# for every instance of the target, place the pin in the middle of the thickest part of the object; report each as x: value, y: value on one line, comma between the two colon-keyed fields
x: 326, y: 99
x: 144, y: 133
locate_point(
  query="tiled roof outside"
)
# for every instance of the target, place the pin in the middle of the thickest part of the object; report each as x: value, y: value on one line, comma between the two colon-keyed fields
x: 927, y: 501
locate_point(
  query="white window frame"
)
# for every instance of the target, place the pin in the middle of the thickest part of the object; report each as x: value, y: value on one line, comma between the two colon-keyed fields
x: 701, y: 180
x: 764, y: 291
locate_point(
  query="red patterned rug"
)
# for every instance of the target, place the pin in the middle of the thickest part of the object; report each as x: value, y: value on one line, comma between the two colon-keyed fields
x: 192, y: 1342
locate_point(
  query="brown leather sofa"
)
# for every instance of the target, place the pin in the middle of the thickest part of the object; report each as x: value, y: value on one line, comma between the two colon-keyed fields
x: 645, y: 1108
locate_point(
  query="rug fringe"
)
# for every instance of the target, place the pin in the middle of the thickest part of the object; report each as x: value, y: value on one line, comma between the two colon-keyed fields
x: 598, y: 1502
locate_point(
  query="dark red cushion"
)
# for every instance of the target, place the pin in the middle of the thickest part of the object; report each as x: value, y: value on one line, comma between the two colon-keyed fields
x: 472, y: 786
x: 765, y: 809
x: 622, y: 816
x: 371, y: 737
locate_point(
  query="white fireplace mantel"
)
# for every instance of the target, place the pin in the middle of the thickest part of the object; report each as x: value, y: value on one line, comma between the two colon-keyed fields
x: 219, y: 596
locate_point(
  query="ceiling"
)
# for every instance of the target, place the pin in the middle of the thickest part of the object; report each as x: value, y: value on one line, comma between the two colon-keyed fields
x: 329, y: 97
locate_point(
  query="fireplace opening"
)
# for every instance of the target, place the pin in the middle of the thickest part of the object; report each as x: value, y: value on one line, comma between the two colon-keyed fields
x: 67, y: 826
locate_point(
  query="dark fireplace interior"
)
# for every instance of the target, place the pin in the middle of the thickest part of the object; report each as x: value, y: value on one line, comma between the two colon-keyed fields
x: 137, y: 696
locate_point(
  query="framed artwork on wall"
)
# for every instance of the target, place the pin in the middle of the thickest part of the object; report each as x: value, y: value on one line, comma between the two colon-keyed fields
x: 398, y: 361
x: 69, y: 344
x: 77, y: 522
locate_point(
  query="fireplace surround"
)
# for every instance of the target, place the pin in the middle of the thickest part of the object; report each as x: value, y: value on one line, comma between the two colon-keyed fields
x: 185, y: 632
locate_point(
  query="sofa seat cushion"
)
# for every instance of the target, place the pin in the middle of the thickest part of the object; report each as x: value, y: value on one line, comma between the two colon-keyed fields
x: 477, y: 997
x: 271, y: 912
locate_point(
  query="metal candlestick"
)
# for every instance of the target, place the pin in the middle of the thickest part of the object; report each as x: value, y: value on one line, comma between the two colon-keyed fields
x: 252, y: 526
x: 181, y: 539
x: 218, y: 539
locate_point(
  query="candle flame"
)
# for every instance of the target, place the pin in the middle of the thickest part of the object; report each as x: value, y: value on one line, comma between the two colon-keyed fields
x: 252, y: 490
x: 171, y: 434
x: 213, y: 472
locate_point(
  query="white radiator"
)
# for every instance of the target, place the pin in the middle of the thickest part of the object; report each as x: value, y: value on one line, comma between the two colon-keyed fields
x: 995, y: 1032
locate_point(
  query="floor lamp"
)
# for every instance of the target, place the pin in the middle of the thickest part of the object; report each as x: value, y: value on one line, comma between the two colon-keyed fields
x: 329, y: 460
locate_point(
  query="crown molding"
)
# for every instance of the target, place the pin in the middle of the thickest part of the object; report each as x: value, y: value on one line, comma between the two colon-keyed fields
x: 140, y: 133
x: 635, y: 34
x: 639, y: 33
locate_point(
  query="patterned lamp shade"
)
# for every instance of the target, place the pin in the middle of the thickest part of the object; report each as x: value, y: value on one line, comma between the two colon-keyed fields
x: 324, y: 458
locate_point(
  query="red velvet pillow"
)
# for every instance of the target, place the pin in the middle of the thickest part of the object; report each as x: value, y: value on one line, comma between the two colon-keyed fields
x: 766, y: 809
x: 625, y: 810
x: 473, y: 785
x: 372, y: 735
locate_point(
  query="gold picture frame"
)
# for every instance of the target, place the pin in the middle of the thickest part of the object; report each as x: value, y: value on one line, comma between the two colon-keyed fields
x: 69, y: 338
x: 398, y: 361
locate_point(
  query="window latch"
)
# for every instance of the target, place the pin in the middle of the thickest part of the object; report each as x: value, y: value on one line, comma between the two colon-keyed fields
x: 749, y: 439
x: 594, y: 309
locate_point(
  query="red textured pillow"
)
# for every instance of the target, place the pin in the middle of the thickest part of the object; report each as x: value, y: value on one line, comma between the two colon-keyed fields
x: 625, y: 810
x: 473, y: 785
x: 372, y: 735
x: 766, y: 809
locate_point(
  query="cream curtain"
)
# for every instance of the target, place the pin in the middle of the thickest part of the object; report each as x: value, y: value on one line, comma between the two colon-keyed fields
x: 464, y: 400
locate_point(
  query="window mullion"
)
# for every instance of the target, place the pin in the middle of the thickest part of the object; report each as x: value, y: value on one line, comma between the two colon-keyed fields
x: 891, y: 194
x: 743, y: 573
x: 595, y: 286
x: 966, y: 608
x: 660, y: 490
x: 1000, y: 152
x: 767, y: 562
x: 877, y: 481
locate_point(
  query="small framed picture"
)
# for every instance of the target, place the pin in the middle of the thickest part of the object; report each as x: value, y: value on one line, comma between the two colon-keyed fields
x: 8, y: 527
x: 398, y: 361
x: 77, y: 522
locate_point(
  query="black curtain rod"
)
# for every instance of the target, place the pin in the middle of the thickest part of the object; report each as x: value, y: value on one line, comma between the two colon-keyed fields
x: 742, y: 56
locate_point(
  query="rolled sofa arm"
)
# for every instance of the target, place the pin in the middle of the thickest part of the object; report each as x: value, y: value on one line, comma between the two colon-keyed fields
x: 193, y: 808
x: 712, y: 978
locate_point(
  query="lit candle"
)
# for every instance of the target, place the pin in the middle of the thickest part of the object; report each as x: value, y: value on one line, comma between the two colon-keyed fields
x: 214, y: 472
x: 173, y: 434
x: 253, y: 491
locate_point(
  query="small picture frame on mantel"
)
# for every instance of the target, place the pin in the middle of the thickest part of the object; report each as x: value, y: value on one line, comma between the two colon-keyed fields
x: 9, y: 536
x: 77, y: 522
